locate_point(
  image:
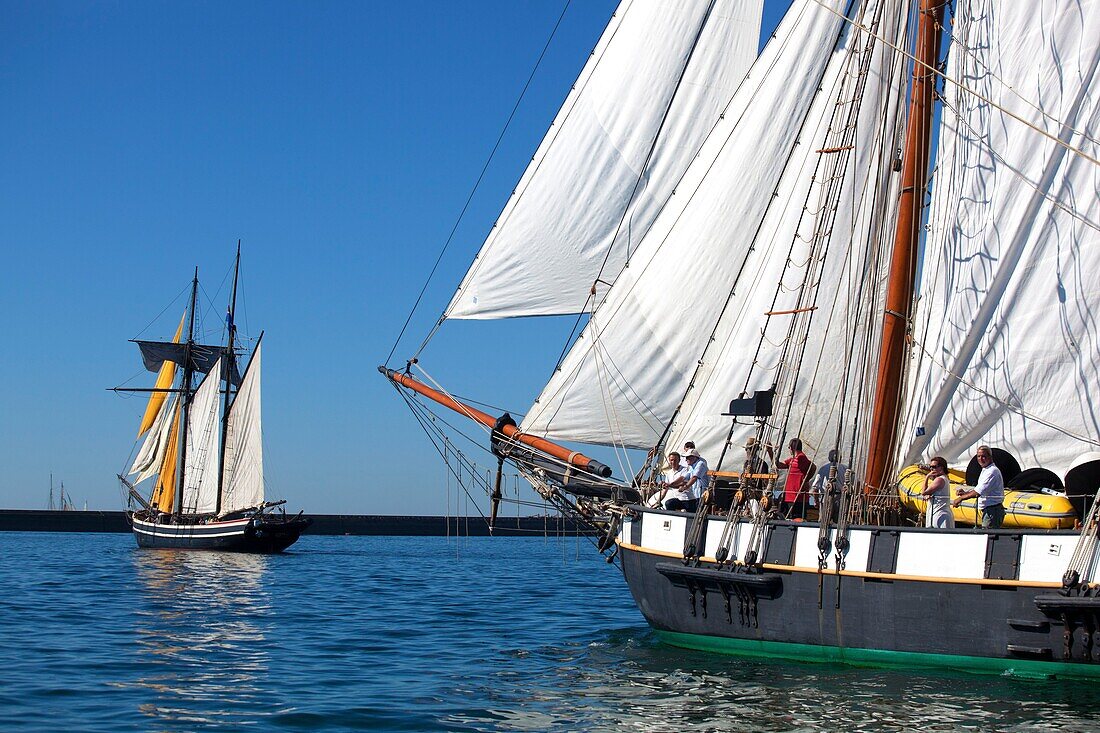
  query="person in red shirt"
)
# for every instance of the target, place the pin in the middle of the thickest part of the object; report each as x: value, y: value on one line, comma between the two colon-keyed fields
x: 799, y: 469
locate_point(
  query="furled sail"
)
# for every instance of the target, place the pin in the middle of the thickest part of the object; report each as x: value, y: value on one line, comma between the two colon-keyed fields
x: 151, y: 455
x: 629, y: 369
x: 164, y: 491
x: 651, y: 91
x: 243, y: 478
x: 813, y: 258
x: 165, y: 377
x: 1006, y: 338
x: 200, y: 484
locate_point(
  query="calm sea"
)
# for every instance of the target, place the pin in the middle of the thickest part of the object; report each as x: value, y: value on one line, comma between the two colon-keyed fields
x: 411, y: 634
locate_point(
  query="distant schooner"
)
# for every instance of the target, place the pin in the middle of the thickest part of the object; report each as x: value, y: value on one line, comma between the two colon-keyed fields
x: 204, y: 449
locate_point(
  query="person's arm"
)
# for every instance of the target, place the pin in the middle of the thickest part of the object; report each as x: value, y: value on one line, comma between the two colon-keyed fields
x: 924, y: 489
x: 963, y: 496
x: 931, y: 487
x: 978, y: 490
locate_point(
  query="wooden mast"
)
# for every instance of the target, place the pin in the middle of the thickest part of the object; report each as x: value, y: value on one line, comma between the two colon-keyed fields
x: 903, y: 263
x: 185, y: 395
x: 227, y: 374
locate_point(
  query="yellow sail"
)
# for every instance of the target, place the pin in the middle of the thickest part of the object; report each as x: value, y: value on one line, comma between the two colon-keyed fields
x: 164, y: 493
x: 165, y: 376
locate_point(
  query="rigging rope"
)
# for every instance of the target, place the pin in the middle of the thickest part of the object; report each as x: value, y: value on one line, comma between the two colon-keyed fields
x: 939, y: 73
x: 596, y: 333
x: 470, y: 197
x: 640, y: 177
x: 1007, y: 405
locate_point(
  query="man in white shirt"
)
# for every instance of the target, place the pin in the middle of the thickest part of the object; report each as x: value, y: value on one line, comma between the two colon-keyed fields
x: 673, y: 496
x: 990, y: 490
x: 698, y: 479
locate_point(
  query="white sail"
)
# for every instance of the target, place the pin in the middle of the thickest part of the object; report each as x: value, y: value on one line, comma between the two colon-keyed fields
x: 243, y: 479
x: 149, y: 458
x: 658, y: 79
x: 622, y: 380
x: 1006, y: 338
x: 200, y: 483
x: 836, y: 199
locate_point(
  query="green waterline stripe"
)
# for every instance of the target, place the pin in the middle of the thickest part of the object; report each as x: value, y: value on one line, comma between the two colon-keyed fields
x: 876, y: 657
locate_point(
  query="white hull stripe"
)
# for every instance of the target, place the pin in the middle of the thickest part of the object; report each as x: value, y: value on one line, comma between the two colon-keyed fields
x: 189, y: 535
x: 234, y: 528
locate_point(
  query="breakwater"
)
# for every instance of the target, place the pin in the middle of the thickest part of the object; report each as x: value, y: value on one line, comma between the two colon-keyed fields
x: 42, y: 520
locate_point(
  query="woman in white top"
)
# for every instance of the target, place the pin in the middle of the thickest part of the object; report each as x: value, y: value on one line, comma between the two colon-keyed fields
x: 937, y: 492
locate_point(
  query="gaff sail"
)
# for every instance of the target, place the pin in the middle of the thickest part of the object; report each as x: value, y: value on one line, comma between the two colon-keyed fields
x: 200, y: 484
x: 1006, y: 338
x: 243, y: 477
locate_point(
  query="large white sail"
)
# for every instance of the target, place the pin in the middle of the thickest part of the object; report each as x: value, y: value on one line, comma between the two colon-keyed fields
x: 622, y: 380
x: 243, y: 479
x: 1006, y: 339
x: 835, y: 200
x: 200, y: 483
x: 652, y: 89
x: 149, y: 458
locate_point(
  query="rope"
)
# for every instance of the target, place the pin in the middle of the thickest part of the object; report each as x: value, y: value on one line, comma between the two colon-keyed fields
x: 486, y: 429
x: 1008, y: 405
x: 938, y: 73
x: 470, y: 197
x: 595, y: 333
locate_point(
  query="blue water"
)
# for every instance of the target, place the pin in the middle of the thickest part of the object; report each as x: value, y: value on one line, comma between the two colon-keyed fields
x: 411, y: 634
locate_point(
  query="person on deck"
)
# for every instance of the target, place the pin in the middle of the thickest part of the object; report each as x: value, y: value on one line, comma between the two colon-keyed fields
x: 990, y: 490
x: 698, y: 479
x: 799, y: 467
x: 673, y: 496
x: 937, y: 492
x: 754, y: 462
x: 821, y: 481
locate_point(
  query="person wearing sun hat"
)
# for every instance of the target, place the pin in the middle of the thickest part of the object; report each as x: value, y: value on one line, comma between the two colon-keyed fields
x: 698, y: 479
x: 754, y: 462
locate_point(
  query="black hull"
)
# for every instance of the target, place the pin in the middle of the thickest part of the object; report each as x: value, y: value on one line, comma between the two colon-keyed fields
x: 874, y: 618
x: 272, y: 535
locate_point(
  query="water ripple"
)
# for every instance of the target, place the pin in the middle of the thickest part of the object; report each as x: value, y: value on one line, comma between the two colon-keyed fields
x: 417, y: 634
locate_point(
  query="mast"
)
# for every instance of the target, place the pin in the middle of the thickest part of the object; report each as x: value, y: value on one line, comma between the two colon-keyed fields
x: 185, y: 395
x: 903, y: 262
x: 227, y: 374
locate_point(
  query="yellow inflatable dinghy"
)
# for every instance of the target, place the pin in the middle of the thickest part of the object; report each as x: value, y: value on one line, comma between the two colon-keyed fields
x: 1023, y: 509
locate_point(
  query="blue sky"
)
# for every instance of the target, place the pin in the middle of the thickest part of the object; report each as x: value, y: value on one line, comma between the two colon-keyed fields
x: 339, y: 142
